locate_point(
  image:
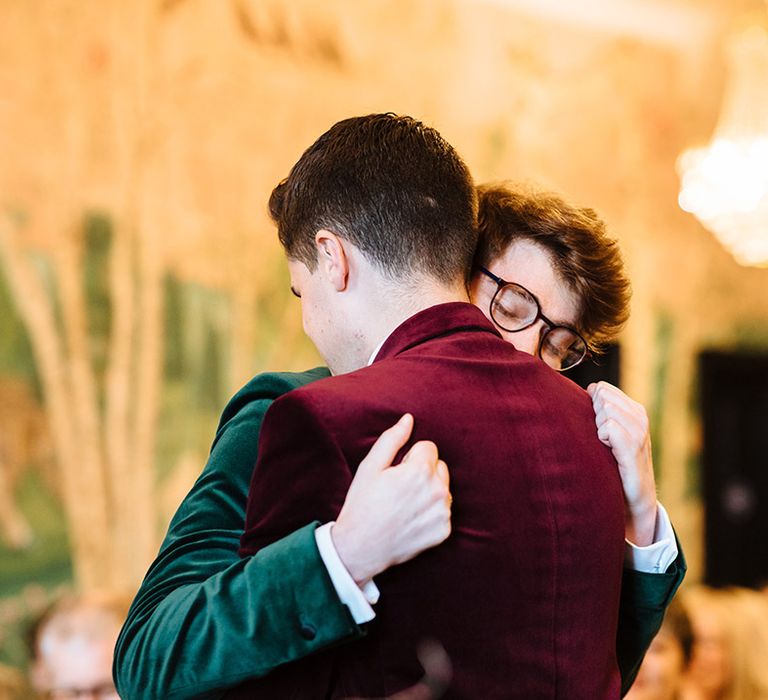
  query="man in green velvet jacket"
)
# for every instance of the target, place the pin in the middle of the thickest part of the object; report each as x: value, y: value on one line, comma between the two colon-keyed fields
x: 204, y: 620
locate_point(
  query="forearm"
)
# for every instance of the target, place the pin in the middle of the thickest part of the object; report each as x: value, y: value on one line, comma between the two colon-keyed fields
x: 196, y: 639
x: 195, y: 624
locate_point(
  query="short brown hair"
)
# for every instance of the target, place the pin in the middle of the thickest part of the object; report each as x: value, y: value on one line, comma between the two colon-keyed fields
x: 390, y: 185
x: 584, y: 256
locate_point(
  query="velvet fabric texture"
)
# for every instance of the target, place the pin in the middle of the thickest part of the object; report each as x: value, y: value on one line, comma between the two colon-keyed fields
x: 524, y: 595
x: 198, y: 623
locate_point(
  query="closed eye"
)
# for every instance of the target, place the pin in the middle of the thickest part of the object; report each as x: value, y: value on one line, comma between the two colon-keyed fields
x: 295, y: 293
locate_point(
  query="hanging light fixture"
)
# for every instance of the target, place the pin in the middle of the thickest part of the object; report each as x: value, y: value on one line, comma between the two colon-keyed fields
x: 725, y: 184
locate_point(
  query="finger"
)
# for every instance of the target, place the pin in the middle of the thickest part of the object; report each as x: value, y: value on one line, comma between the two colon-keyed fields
x: 437, y: 665
x: 622, y: 411
x: 607, y: 413
x: 424, y: 451
x: 598, y: 387
x: 623, y: 444
x: 608, y: 393
x: 442, y: 473
x: 626, y: 415
x: 603, y: 433
x: 389, y: 443
x: 597, y: 396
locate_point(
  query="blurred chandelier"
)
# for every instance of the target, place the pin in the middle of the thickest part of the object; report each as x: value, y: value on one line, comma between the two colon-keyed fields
x: 725, y: 184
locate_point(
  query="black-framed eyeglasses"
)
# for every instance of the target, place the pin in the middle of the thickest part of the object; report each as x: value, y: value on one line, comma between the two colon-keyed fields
x: 514, y: 308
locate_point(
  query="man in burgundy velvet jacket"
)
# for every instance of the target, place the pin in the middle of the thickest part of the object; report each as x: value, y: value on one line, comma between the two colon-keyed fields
x: 377, y: 219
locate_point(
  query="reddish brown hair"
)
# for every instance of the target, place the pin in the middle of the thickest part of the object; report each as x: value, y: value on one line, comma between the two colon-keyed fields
x: 583, y: 254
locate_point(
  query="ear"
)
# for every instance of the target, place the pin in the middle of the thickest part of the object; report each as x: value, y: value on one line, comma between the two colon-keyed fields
x: 332, y: 258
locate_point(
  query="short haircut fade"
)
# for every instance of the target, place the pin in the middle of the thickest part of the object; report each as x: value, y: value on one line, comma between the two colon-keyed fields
x: 391, y: 186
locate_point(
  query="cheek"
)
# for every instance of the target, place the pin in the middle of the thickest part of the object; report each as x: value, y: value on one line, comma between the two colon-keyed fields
x: 305, y: 317
x: 317, y: 323
x: 526, y: 340
x: 480, y: 298
x: 476, y: 295
x: 309, y: 317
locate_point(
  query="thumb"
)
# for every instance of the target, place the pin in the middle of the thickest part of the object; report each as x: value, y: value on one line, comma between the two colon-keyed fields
x: 383, y: 452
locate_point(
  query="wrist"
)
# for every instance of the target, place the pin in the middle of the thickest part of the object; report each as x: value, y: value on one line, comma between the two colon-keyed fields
x: 351, y: 555
x: 640, y: 525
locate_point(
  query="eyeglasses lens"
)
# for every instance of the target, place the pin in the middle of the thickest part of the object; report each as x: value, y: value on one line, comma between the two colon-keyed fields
x: 561, y: 348
x: 513, y: 308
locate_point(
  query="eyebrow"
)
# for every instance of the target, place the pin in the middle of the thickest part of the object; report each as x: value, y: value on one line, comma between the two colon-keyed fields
x: 295, y: 293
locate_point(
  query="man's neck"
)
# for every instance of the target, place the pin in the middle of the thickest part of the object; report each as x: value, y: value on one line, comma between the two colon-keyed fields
x: 392, y: 307
x: 416, y: 303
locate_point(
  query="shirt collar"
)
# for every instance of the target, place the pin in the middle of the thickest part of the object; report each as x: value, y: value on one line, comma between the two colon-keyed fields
x: 376, y: 352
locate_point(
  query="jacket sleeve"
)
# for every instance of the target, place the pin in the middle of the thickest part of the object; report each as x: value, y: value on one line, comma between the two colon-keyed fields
x: 644, y: 600
x: 204, y: 619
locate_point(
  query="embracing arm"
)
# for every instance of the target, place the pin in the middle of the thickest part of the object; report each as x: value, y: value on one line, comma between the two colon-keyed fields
x: 383, y: 516
x: 655, y: 565
x: 205, y: 620
x: 192, y: 640
x: 200, y: 618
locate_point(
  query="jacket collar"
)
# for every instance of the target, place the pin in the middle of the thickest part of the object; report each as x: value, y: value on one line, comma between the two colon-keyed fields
x: 433, y: 322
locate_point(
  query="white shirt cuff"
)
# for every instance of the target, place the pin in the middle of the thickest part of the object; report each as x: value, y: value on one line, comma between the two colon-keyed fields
x: 358, y: 599
x: 657, y: 557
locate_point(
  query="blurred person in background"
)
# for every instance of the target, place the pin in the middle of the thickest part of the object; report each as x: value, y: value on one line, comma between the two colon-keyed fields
x: 566, y: 277
x: 730, y: 644
x: 72, y: 645
x: 662, y: 672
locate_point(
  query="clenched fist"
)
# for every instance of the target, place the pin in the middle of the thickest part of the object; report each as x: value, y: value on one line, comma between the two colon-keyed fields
x: 392, y: 513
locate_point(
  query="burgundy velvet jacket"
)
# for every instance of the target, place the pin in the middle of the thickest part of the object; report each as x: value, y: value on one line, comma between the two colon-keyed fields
x: 524, y: 594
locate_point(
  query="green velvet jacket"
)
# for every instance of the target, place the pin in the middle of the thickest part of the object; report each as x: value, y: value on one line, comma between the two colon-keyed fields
x: 204, y: 619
